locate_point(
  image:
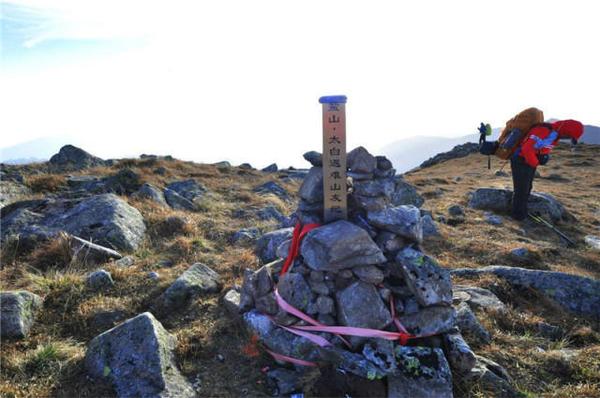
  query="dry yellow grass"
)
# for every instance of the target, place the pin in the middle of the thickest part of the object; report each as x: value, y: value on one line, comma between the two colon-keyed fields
x: 203, y: 329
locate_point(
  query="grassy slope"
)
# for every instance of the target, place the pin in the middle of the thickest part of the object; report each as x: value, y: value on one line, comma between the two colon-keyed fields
x: 534, y: 362
x: 48, y: 363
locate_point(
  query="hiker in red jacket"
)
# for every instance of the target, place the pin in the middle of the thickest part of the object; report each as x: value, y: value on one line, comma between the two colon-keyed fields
x: 535, y: 150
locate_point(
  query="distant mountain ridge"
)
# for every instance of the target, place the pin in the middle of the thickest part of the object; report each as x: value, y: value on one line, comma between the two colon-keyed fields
x: 408, y: 153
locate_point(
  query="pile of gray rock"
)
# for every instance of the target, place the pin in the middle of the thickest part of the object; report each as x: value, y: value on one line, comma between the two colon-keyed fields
x: 350, y: 273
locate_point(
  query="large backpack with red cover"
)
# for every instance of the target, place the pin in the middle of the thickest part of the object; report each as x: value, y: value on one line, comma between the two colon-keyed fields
x: 516, y: 130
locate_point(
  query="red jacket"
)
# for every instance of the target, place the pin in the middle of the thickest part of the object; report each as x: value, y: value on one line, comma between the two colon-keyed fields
x: 541, y: 140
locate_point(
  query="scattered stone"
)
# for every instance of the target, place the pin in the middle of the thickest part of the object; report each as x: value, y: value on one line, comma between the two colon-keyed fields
x: 197, y: 280
x: 458, y: 353
x: 500, y: 200
x: 402, y: 220
x: 266, y: 246
x: 165, y: 263
x: 271, y: 168
x: 314, y: 158
x: 519, y: 253
x: 361, y: 161
x: 270, y: 213
x: 493, y: 378
x: 593, y: 242
x: 126, y: 261
x: 339, y: 245
x: 469, y: 325
x: 492, y: 219
x: 245, y: 236
x: 477, y: 298
x: 223, y: 165
x: 231, y: 302
x: 456, y: 211
x: 17, y: 313
x: 389, y: 242
x: 273, y: 189
x: 100, y: 280
x: 160, y: 171
x: 429, y: 227
x: 189, y: 189
x: 550, y: 331
x: 430, y: 283
x: 71, y: 158
x: 154, y: 275
x: 137, y: 358
x: 177, y: 201
x: 423, y: 372
x: 11, y: 192
x: 245, y: 166
x: 577, y: 294
x: 150, y: 192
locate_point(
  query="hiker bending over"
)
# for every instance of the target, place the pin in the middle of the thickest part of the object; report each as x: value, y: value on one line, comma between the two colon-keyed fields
x: 535, y: 150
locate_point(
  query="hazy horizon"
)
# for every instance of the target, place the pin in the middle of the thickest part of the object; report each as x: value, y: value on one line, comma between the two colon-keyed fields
x: 239, y: 81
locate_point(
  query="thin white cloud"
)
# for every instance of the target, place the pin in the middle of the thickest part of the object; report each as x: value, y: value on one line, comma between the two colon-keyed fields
x: 240, y: 79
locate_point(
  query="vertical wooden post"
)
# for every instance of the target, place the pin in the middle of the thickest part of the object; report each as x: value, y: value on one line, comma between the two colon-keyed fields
x: 334, y: 158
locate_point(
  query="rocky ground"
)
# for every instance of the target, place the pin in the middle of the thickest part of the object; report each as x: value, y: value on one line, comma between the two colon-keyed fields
x: 163, y: 244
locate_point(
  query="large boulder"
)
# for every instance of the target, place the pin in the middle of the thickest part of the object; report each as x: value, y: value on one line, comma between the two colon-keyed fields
x: 137, y: 359
x: 178, y: 202
x: 500, y: 200
x: 70, y: 158
x: 150, y: 192
x: 577, y: 294
x: 197, y: 280
x: 339, y: 245
x: 189, y: 189
x: 17, y: 313
x: 402, y: 220
x: 104, y: 219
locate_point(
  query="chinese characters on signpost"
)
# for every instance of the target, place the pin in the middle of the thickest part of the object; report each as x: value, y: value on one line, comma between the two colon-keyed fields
x: 334, y: 158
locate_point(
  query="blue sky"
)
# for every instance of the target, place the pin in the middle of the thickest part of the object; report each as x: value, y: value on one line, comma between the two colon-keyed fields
x: 239, y: 80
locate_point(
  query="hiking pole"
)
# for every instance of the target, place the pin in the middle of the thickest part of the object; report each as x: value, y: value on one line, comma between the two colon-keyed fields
x: 540, y: 220
x: 503, y: 166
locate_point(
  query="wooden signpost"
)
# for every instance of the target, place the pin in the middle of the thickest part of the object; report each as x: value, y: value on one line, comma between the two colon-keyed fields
x: 334, y: 158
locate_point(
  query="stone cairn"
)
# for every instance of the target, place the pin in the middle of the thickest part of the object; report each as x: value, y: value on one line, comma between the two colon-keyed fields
x: 347, y: 273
